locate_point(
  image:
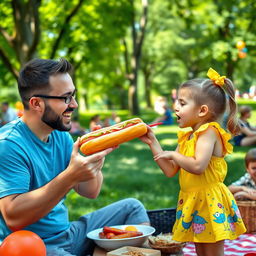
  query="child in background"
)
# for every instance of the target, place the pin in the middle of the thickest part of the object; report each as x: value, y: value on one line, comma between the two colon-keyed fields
x: 162, y: 108
x: 245, y: 187
x: 114, y: 119
x: 76, y: 128
x: 207, y: 212
x: 247, y: 137
x: 95, y: 123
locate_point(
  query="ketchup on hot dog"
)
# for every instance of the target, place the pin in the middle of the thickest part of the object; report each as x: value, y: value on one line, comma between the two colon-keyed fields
x: 112, y: 136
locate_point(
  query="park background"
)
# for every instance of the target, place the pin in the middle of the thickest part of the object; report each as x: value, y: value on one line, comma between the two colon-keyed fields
x: 125, y: 53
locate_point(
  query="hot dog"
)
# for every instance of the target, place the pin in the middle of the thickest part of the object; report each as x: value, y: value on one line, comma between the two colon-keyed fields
x: 112, y: 136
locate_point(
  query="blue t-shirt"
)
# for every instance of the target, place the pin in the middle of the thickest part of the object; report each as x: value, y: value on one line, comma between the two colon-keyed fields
x: 27, y: 163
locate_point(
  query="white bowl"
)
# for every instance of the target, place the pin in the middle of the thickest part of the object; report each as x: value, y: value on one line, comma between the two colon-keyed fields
x: 112, y: 244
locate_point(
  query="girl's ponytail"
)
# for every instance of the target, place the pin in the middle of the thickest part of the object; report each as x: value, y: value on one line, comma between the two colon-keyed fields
x: 232, y: 123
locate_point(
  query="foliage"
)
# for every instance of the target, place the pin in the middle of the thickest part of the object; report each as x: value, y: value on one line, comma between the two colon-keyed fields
x: 183, y: 39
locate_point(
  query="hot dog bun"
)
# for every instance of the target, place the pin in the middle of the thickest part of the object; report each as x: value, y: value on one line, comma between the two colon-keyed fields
x: 112, y: 136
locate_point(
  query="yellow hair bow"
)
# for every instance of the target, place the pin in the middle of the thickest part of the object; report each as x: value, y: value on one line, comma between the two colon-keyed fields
x: 215, y: 77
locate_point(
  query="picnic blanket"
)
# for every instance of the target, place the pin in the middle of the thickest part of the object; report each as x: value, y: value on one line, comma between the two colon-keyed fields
x: 243, y: 244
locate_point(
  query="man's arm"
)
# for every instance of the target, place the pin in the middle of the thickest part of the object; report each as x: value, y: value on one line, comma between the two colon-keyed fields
x: 20, y: 210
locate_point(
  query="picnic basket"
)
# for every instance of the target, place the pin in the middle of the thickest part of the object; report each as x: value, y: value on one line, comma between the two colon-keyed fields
x: 248, y: 213
x: 162, y: 219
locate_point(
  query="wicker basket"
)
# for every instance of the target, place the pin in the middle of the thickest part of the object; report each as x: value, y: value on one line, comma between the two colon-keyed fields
x: 168, y: 249
x: 162, y: 219
x: 248, y: 213
x: 165, y: 244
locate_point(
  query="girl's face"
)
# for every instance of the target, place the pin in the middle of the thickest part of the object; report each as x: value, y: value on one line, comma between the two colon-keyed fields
x: 251, y: 169
x: 187, y: 111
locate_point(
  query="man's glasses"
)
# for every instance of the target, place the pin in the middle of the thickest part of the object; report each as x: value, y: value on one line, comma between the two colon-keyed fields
x: 67, y: 99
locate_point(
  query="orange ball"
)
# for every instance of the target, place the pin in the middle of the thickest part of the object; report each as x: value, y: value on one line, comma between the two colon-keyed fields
x: 241, y: 55
x: 23, y: 243
x: 240, y: 45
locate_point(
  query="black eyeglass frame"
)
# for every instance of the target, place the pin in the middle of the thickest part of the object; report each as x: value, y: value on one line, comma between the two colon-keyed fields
x: 67, y: 99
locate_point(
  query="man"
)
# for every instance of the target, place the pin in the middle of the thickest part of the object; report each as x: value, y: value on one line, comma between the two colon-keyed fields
x: 40, y: 165
x: 8, y: 114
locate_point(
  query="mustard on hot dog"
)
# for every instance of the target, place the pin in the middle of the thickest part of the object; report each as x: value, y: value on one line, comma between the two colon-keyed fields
x: 112, y: 136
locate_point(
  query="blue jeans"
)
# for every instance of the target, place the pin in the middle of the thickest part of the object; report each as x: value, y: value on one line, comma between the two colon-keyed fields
x: 74, y: 241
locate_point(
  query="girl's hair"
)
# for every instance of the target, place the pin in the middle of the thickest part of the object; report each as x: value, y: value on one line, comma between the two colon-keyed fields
x: 204, y: 91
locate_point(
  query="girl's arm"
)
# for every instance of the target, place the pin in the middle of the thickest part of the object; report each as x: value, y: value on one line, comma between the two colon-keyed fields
x: 169, y: 167
x: 204, y: 150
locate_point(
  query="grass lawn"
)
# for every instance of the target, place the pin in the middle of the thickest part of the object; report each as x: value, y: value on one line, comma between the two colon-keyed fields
x: 130, y: 171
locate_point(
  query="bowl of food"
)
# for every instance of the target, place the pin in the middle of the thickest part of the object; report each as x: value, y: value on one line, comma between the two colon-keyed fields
x: 165, y: 244
x: 114, y: 237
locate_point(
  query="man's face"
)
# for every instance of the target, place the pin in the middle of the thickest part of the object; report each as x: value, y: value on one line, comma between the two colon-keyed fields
x: 57, y: 113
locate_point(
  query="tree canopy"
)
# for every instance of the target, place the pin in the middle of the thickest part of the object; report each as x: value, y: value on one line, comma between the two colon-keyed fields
x: 126, y: 52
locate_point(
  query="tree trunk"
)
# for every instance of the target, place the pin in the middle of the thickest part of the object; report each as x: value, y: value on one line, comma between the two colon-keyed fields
x: 138, y: 33
x: 26, y: 33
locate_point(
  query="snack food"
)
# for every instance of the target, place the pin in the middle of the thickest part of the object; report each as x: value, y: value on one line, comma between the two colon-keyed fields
x: 112, y: 136
x: 116, y: 233
x: 165, y: 244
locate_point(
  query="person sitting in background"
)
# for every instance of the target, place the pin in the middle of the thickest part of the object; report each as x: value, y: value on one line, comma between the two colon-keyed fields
x: 95, y: 123
x: 114, y: 119
x: 76, y: 128
x: 245, y: 187
x: 162, y: 108
x: 8, y: 113
x: 247, y: 137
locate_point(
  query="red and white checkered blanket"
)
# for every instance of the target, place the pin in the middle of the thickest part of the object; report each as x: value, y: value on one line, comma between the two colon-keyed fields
x: 243, y: 244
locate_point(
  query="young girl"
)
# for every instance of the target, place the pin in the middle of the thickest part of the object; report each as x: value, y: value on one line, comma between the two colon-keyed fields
x: 207, y: 213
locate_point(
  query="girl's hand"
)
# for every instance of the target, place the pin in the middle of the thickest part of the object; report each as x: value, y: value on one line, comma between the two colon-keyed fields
x: 164, y: 155
x: 149, y: 138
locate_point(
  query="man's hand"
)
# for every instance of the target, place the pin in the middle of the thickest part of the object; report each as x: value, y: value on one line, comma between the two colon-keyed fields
x: 85, y: 168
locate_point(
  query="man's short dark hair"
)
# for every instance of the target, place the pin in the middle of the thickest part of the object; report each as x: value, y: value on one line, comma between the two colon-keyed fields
x: 34, y: 76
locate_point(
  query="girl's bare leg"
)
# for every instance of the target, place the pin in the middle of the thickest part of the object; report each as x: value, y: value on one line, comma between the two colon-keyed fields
x: 199, y: 249
x: 210, y: 249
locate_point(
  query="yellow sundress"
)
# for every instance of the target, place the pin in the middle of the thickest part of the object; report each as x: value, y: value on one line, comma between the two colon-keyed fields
x: 207, y: 211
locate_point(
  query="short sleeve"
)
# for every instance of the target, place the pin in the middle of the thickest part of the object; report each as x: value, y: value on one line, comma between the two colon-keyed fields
x: 183, y: 136
x: 14, y: 169
x: 225, y: 137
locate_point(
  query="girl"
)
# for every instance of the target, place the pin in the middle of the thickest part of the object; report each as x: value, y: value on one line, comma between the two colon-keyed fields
x: 207, y: 213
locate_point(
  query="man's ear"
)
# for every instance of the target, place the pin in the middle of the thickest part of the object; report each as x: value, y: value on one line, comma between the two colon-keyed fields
x: 36, y: 104
x: 204, y: 110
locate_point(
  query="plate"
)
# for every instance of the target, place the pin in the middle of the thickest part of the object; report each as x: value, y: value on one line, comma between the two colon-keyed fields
x: 112, y: 244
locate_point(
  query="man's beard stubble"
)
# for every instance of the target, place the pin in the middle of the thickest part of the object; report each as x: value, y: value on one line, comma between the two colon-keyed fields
x: 55, y: 121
